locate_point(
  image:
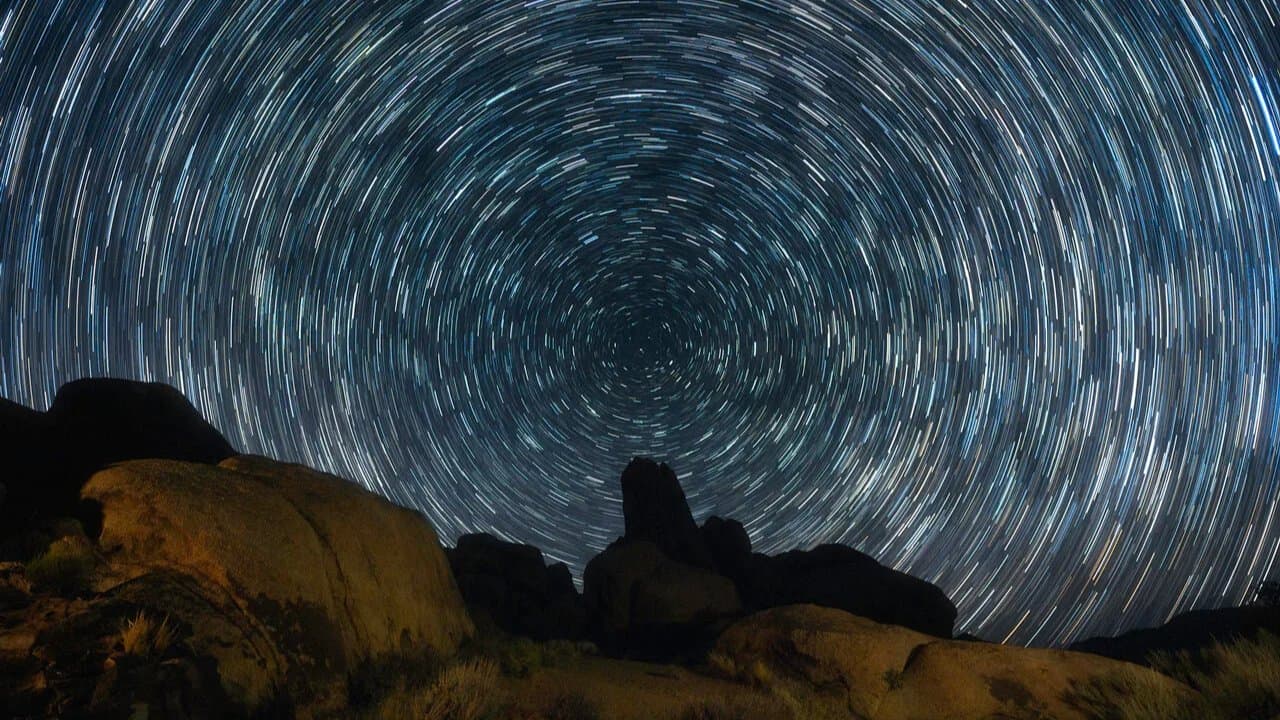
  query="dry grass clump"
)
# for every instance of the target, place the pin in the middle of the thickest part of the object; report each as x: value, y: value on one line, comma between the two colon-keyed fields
x: 145, y: 637
x: 756, y: 672
x: 1237, y: 681
x: 65, y: 567
x: 464, y: 691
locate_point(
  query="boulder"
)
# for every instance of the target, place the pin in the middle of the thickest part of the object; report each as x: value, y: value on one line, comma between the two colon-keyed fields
x: 655, y: 510
x: 647, y: 604
x: 321, y: 575
x: 840, y: 577
x: 510, y: 584
x: 100, y: 421
x: 830, y: 650
x: 891, y: 673
x: 91, y: 424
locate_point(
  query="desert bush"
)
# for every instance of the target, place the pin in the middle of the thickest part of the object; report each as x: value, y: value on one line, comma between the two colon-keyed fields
x: 572, y: 706
x: 145, y: 637
x: 520, y: 657
x: 464, y: 691
x: 65, y: 567
x: 756, y: 672
x: 559, y: 653
x: 1237, y: 681
x: 387, y: 674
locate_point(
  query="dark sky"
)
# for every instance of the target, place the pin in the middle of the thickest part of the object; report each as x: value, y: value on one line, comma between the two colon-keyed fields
x: 989, y: 290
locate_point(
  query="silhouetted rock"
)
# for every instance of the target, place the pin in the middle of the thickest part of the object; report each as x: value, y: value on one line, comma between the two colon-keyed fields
x: 509, y: 584
x: 655, y: 509
x: 1190, y: 631
x: 649, y: 605
x: 840, y: 577
x: 728, y: 543
x: 91, y: 424
x: 310, y: 576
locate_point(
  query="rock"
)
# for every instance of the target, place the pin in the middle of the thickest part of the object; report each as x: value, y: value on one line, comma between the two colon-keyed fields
x: 101, y: 421
x: 510, y: 584
x: 318, y: 574
x: 891, y: 673
x: 648, y: 604
x: 1191, y: 631
x: 15, y: 588
x: 976, y: 681
x: 728, y: 543
x: 839, y: 577
x: 91, y: 424
x: 828, y: 649
x: 655, y: 510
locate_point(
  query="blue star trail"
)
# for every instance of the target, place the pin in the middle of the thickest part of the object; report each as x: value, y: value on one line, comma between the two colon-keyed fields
x: 989, y: 290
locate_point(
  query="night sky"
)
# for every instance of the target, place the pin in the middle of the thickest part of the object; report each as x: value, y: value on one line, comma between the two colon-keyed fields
x: 989, y: 290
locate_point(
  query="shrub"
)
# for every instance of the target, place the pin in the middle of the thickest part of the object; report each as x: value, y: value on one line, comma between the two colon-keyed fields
x: 464, y: 691
x: 559, y: 653
x: 520, y: 657
x: 1239, y: 681
x: 572, y: 706
x: 757, y: 672
x: 144, y: 637
x: 65, y: 567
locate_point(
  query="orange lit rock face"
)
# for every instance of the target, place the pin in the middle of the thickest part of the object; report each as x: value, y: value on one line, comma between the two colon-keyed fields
x: 317, y: 574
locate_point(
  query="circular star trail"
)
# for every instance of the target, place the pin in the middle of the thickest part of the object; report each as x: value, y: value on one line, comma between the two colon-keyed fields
x: 987, y: 289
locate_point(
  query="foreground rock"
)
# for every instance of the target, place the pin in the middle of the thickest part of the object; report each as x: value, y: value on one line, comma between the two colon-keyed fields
x: 91, y: 424
x: 280, y: 582
x: 510, y: 585
x: 890, y: 673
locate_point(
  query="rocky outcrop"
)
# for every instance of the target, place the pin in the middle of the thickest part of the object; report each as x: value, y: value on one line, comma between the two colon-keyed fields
x: 1191, y: 631
x: 510, y: 585
x: 840, y: 577
x: 667, y: 580
x: 91, y: 424
x: 308, y: 575
x: 885, y: 672
x: 655, y: 510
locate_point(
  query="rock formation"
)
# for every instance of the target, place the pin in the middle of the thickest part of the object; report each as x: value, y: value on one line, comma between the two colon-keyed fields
x: 91, y: 424
x: 510, y: 584
x: 280, y: 583
x: 892, y: 673
x: 667, y: 580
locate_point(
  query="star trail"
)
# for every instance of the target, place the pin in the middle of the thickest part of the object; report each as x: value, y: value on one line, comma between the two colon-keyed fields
x: 989, y: 290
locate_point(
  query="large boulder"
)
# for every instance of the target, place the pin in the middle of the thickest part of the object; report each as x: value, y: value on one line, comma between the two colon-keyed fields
x: 321, y: 575
x: 511, y: 585
x: 829, y: 650
x: 840, y: 577
x: 655, y: 510
x: 885, y: 672
x: 647, y: 604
